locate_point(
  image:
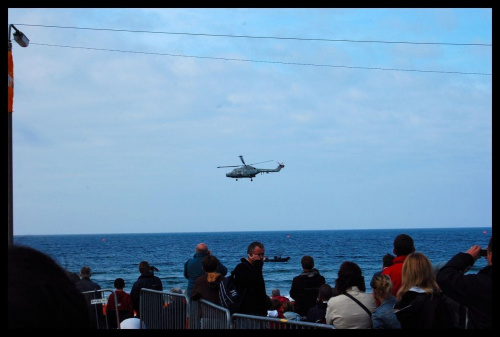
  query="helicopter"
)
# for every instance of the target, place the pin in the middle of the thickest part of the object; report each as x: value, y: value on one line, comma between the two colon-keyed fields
x: 248, y: 171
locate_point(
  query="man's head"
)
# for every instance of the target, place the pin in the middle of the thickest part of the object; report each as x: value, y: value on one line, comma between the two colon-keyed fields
x: 275, y: 292
x: 209, y: 263
x: 201, y: 248
x: 403, y: 245
x: 325, y: 292
x: 255, y: 252
x: 307, y: 262
x: 144, y: 267
x: 85, y: 271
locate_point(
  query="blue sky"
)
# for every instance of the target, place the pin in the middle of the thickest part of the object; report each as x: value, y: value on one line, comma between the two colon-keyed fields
x: 122, y: 132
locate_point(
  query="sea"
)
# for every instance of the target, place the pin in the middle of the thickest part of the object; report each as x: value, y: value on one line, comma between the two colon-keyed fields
x: 118, y: 255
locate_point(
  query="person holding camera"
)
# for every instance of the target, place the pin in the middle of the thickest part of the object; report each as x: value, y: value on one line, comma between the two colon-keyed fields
x: 147, y: 280
x: 475, y: 291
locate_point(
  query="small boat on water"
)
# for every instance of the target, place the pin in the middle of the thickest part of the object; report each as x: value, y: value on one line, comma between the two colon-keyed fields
x: 277, y: 259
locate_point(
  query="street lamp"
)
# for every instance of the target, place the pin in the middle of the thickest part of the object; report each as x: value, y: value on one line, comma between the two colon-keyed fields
x: 23, y: 41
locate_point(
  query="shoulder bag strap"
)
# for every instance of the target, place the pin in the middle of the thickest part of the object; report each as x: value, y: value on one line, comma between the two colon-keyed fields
x: 359, y: 303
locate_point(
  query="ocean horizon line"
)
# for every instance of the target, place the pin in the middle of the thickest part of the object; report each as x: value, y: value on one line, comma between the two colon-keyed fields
x: 263, y: 231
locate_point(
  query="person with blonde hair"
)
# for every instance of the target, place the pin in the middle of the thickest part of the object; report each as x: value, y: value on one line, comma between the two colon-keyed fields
x: 384, y: 317
x: 419, y: 302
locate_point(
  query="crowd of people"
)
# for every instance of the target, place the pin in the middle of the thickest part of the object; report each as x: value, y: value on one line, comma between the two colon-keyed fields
x: 407, y: 293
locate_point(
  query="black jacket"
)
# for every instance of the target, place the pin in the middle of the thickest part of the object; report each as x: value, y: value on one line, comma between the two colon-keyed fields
x: 317, y: 313
x: 420, y: 310
x: 148, y: 281
x: 249, y: 279
x: 304, y: 290
x: 475, y: 291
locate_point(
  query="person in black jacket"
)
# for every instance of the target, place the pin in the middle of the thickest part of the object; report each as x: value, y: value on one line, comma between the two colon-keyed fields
x: 317, y: 313
x: 147, y: 280
x: 305, y: 286
x: 475, y: 291
x: 250, y: 281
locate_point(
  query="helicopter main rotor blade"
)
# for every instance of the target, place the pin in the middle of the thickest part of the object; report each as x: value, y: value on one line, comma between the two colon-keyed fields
x: 267, y: 161
x: 241, y: 157
x: 229, y: 166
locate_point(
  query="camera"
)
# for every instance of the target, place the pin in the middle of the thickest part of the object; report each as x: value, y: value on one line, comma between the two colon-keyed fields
x: 153, y: 269
x: 483, y: 252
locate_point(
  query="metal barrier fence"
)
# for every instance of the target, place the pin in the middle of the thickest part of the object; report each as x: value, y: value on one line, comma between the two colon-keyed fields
x: 97, y: 301
x: 241, y: 321
x: 166, y: 310
x: 207, y: 315
x: 163, y: 310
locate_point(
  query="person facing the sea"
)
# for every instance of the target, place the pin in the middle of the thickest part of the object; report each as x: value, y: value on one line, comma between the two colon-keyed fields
x: 250, y: 282
x: 403, y: 245
x: 207, y: 285
x: 86, y: 285
x: 193, y: 267
x: 317, y: 313
x: 124, y: 304
x: 352, y: 308
x: 419, y: 302
x: 305, y: 286
x: 384, y: 317
x: 387, y: 261
x: 475, y: 291
x: 146, y: 280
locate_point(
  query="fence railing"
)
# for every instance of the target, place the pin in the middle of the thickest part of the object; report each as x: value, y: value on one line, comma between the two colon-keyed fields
x: 163, y: 310
x: 97, y: 301
x: 207, y: 315
x: 166, y: 310
x: 242, y: 321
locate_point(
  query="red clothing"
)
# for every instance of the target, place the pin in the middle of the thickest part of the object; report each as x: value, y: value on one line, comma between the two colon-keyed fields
x: 124, y: 302
x: 394, y: 272
x: 282, y: 300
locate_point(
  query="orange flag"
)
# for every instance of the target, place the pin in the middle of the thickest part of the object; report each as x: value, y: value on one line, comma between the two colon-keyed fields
x: 11, y: 83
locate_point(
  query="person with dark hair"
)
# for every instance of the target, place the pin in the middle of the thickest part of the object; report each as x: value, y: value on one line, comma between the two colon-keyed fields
x: 40, y: 295
x: 305, y: 286
x: 147, y: 280
x: 352, y: 307
x: 250, y: 282
x: 403, y: 245
x: 207, y: 285
x: 317, y: 313
x: 124, y: 302
x: 387, y: 261
x: 384, y: 317
x: 193, y: 268
x: 475, y: 291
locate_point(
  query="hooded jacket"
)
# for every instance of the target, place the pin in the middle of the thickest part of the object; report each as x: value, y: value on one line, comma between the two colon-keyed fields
x: 304, y: 290
x: 207, y: 288
x: 417, y: 309
x: 193, y: 269
x: 148, y: 281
